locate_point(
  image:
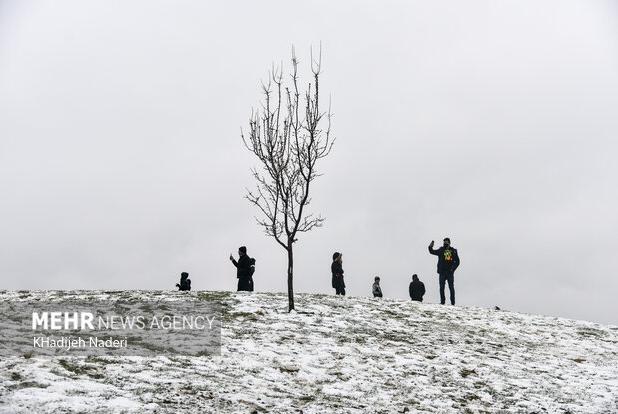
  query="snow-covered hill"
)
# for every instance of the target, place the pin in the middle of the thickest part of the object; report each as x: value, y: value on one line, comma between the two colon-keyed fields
x: 338, y: 355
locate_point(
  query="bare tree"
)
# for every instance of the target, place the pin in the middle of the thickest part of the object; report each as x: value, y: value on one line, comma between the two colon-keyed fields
x: 288, y: 137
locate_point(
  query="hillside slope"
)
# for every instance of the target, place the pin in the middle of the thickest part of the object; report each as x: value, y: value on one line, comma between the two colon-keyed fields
x: 338, y: 355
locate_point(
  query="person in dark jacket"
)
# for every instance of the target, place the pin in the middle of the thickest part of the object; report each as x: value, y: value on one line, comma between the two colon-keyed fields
x: 448, y: 261
x: 185, y: 282
x: 337, y: 271
x: 243, y: 270
x: 416, y: 289
x: 376, y: 289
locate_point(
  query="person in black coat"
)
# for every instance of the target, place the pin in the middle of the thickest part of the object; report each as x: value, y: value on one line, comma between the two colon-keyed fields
x: 243, y: 270
x: 337, y: 271
x: 448, y: 262
x: 416, y: 289
x: 185, y: 282
x: 376, y: 289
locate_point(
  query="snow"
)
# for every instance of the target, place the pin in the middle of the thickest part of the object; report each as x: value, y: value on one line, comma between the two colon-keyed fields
x: 336, y: 354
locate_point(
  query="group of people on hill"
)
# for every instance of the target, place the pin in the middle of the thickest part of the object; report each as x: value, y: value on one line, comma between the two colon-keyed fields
x: 416, y: 288
x: 245, y: 268
x: 448, y: 262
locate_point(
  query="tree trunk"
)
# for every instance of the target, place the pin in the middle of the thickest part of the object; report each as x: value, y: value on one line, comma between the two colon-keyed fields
x: 290, y: 277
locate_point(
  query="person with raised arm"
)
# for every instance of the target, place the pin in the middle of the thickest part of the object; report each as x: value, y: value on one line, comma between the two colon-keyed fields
x: 448, y: 262
x: 243, y: 270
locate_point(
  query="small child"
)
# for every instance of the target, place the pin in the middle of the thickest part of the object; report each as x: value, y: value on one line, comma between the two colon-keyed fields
x: 377, y: 290
x: 185, y: 282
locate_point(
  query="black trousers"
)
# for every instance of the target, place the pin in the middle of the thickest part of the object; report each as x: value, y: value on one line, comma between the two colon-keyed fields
x: 450, y: 278
x: 245, y: 284
x: 339, y: 285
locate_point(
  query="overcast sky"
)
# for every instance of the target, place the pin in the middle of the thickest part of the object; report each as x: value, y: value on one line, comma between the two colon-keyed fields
x: 494, y: 123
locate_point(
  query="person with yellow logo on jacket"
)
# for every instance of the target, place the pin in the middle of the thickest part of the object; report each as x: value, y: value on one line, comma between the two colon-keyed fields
x: 448, y: 262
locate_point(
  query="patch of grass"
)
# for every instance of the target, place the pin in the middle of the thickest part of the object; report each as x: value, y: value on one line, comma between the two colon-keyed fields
x: 358, y: 339
x: 591, y: 332
x: 252, y: 316
x: 155, y: 348
x: 306, y: 398
x: 205, y: 354
x: 16, y: 376
x: 102, y: 360
x: 84, y: 369
x: 146, y: 307
x: 75, y: 392
x: 213, y: 296
x: 27, y: 384
x: 470, y: 397
x: 480, y: 384
x: 466, y: 372
x: 392, y: 313
x: 412, y: 401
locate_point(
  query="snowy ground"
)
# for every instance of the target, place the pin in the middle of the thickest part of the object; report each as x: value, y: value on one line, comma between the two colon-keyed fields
x: 338, y: 355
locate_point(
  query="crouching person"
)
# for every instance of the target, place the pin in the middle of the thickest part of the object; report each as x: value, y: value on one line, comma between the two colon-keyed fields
x: 185, y: 282
x: 417, y: 289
